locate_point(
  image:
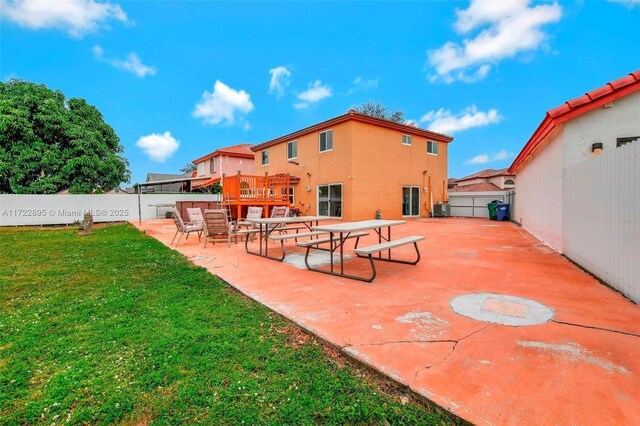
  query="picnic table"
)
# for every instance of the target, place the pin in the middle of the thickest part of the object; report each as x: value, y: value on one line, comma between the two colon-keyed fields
x: 267, y: 226
x: 340, y: 232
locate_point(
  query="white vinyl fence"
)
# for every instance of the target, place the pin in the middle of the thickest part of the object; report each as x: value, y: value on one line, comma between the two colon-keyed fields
x: 474, y: 204
x: 18, y: 210
x: 601, y: 230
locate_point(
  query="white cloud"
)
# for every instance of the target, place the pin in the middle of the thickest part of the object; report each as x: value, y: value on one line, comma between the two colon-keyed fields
x: 361, y: 84
x: 513, y: 27
x: 444, y: 121
x: 315, y: 93
x: 627, y: 3
x: 224, y: 105
x: 132, y: 64
x: 158, y: 147
x: 279, y: 80
x: 488, y: 158
x: 77, y: 17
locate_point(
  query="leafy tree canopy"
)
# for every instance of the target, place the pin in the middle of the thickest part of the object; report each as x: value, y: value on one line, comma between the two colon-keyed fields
x: 49, y: 143
x: 376, y: 109
x: 188, y: 168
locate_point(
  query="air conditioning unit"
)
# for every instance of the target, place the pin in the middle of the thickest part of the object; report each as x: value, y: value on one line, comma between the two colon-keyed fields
x: 441, y: 210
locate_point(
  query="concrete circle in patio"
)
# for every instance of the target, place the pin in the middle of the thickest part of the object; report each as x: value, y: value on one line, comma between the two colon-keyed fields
x: 501, y: 309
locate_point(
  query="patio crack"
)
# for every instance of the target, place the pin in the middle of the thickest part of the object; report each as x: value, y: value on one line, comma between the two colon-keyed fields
x: 609, y: 330
x: 453, y: 349
x: 348, y: 345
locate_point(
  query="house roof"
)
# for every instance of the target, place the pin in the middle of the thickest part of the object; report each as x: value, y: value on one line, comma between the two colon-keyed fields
x: 242, y: 150
x: 488, y: 173
x: 159, y: 177
x: 206, y: 183
x: 575, y: 107
x: 477, y: 187
x: 363, y: 118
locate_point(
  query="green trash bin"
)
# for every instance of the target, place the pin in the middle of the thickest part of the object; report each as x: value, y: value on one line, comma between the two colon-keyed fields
x: 493, y: 209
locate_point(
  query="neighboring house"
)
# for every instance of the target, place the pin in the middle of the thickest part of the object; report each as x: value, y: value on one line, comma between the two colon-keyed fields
x: 352, y: 165
x: 601, y: 120
x: 224, y: 161
x: 130, y: 190
x: 166, y: 182
x: 485, y: 181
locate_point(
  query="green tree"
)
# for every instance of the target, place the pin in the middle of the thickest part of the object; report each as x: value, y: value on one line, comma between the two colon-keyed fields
x: 49, y: 143
x: 376, y: 109
x: 188, y: 168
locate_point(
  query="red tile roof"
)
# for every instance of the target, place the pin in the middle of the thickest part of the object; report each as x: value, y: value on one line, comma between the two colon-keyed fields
x: 242, y: 150
x: 206, y: 183
x: 488, y: 173
x: 353, y: 115
x: 478, y: 187
x: 575, y: 107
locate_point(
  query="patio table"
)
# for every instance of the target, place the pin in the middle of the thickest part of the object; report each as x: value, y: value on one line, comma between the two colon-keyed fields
x: 268, y: 225
x: 162, y: 206
x: 340, y: 232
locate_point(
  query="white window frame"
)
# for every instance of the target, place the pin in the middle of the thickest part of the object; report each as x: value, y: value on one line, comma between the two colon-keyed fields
x: 264, y: 154
x: 292, y: 144
x: 434, y: 144
x: 407, y: 138
x: 411, y: 187
x: 319, y: 137
x: 341, y: 198
x: 292, y: 197
x: 212, y: 165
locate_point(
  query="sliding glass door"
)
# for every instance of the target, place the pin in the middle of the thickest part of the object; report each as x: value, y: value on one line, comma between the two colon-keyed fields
x: 410, y: 201
x: 330, y: 200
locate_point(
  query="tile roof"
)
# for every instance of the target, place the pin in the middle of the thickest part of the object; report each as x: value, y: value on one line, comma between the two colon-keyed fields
x: 353, y: 115
x: 206, y: 183
x: 478, y: 187
x: 575, y: 107
x: 242, y: 150
x: 488, y: 173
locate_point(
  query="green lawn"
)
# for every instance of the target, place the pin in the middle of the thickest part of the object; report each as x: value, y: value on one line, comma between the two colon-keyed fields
x: 116, y: 328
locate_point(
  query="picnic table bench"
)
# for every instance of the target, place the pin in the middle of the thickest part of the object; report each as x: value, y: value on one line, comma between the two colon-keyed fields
x: 340, y: 232
x: 267, y: 226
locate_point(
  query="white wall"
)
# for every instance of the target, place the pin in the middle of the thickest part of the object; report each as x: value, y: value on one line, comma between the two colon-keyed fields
x: 18, y: 210
x: 474, y: 204
x: 605, y: 125
x: 539, y: 208
x: 602, y: 217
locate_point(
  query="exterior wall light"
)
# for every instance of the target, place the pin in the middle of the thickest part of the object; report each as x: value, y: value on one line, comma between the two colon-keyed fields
x: 596, y: 148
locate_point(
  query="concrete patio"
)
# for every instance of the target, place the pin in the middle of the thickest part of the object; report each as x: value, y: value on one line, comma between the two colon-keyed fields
x: 580, y: 367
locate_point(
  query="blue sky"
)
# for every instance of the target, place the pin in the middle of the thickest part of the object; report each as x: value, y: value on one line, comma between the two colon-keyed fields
x: 177, y: 80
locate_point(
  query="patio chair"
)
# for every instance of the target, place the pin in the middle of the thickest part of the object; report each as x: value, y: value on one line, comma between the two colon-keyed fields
x: 278, y: 212
x: 182, y: 228
x: 216, y: 224
x: 195, y: 216
x: 252, y: 213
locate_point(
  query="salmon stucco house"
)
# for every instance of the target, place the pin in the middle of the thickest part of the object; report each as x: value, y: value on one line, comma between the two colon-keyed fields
x: 353, y: 165
x: 228, y: 160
